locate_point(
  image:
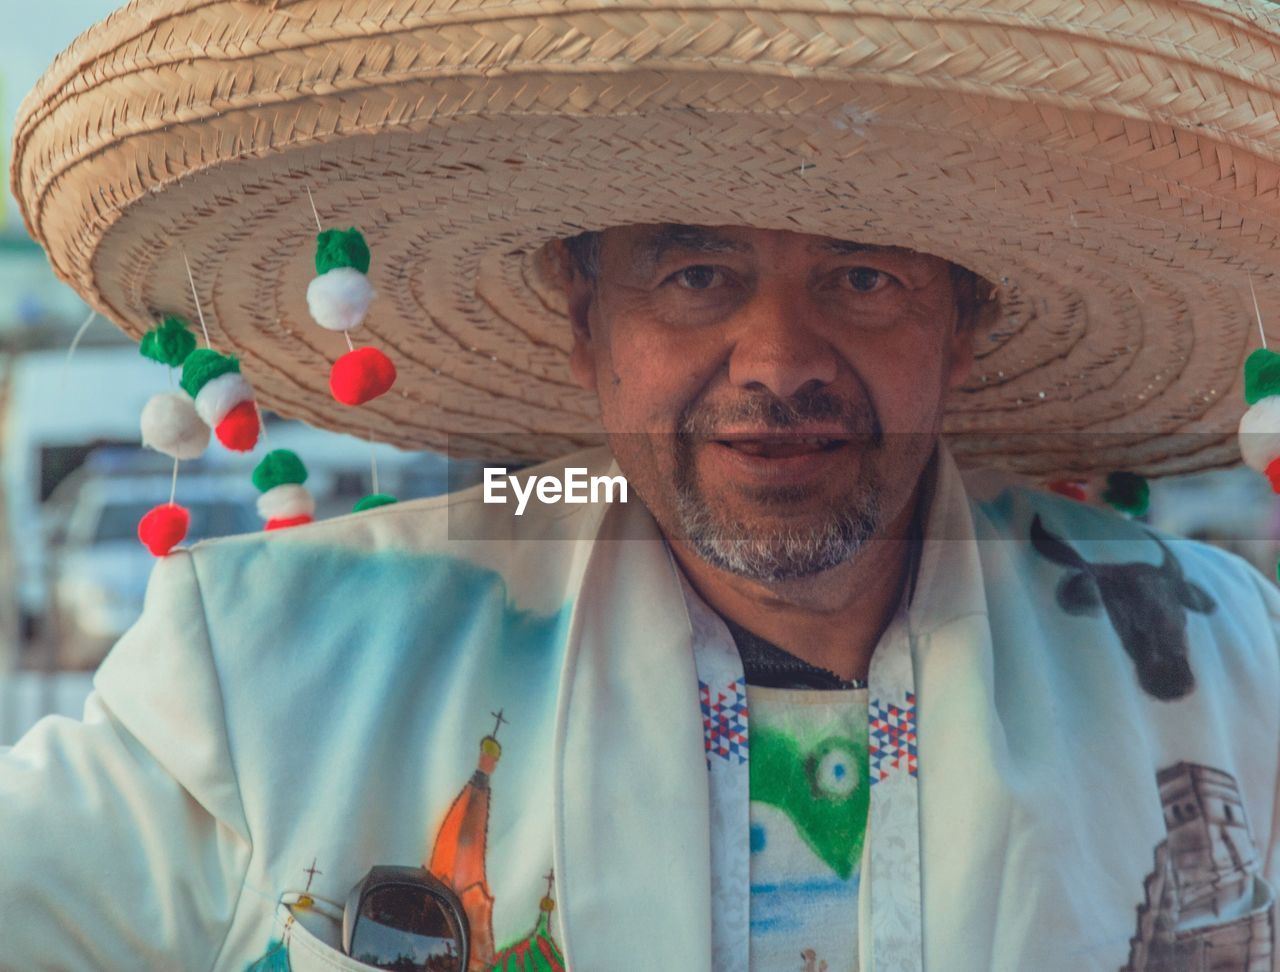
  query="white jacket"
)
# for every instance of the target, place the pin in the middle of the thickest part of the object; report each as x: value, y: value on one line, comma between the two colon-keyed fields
x: 319, y: 695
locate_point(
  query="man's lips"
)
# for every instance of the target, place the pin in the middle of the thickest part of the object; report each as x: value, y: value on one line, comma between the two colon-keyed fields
x: 778, y: 447
x: 775, y: 444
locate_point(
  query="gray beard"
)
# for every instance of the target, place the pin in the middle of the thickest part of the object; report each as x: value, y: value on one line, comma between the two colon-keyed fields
x: 776, y: 555
x: 743, y: 548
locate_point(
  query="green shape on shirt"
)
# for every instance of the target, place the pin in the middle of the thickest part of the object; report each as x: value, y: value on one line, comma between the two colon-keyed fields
x: 823, y: 790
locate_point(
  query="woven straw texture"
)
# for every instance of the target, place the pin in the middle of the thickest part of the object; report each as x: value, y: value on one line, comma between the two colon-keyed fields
x: 1113, y: 166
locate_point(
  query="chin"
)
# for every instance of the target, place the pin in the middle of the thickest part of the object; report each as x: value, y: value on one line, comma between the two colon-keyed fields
x: 777, y: 548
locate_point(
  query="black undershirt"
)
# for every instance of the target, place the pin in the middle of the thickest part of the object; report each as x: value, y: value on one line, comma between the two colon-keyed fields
x: 766, y: 665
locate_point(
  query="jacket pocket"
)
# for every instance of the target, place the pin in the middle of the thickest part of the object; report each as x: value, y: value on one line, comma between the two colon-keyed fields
x: 312, y: 939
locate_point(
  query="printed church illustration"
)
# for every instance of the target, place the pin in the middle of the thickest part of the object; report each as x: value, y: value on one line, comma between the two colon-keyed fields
x: 458, y: 859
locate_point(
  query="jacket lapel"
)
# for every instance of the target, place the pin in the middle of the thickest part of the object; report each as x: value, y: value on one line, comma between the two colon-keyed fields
x: 632, y: 847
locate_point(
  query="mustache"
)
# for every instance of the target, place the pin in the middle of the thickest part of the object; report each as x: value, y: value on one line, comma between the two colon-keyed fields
x: 805, y: 408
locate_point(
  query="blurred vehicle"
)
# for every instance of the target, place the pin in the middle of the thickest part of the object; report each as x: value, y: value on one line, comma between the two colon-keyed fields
x: 100, y: 569
x: 56, y: 412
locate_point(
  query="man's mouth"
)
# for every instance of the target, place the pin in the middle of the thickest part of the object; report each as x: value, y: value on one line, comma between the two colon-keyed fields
x: 782, y: 446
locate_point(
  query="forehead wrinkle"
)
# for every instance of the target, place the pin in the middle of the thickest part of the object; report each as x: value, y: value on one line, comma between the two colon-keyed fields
x: 679, y: 236
x: 846, y: 247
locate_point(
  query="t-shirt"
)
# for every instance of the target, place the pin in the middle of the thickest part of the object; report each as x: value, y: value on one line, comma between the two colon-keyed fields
x: 809, y: 801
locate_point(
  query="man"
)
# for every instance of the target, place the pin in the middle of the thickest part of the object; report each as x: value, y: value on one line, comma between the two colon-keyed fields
x: 708, y: 373
x: 797, y: 701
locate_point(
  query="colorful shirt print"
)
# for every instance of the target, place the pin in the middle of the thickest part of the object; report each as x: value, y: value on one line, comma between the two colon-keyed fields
x: 809, y: 802
x: 458, y: 858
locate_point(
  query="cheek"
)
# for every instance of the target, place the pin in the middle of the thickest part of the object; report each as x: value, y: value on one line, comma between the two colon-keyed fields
x: 650, y: 379
x: 906, y: 380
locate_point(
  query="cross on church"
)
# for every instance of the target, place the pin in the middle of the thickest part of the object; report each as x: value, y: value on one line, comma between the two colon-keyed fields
x: 551, y: 877
x: 311, y: 872
x: 497, y: 725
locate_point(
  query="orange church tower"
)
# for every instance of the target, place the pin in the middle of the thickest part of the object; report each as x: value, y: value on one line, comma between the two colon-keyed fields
x: 459, y: 853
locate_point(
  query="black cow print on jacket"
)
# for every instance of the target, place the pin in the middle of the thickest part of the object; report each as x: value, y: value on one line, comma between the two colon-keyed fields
x: 1146, y: 604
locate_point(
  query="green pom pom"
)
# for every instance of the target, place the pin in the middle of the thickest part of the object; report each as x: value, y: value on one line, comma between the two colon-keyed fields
x: 278, y: 467
x: 371, y: 501
x: 204, y: 365
x: 341, y: 248
x: 1261, y: 375
x: 170, y: 343
x: 1127, y: 492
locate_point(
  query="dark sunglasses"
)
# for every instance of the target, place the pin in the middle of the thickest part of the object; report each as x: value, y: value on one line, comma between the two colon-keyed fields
x: 406, y: 919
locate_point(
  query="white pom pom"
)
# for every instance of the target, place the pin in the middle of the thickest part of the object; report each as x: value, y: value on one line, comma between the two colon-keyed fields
x: 339, y: 299
x: 171, y: 425
x: 285, y: 502
x: 1260, y: 433
x: 221, y: 395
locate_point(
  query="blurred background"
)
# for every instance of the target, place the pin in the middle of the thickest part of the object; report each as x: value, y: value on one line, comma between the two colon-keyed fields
x: 74, y: 481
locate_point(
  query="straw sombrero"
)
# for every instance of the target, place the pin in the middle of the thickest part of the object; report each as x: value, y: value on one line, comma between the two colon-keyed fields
x: 1111, y: 164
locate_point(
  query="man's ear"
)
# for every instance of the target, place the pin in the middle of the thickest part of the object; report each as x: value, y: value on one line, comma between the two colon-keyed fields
x: 581, y: 294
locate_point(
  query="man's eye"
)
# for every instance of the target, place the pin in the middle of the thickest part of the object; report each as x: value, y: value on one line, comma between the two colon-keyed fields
x: 696, y: 278
x: 866, y: 280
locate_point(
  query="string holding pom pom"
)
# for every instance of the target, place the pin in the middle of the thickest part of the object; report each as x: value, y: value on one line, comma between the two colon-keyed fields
x: 360, y: 376
x: 223, y: 398
x: 338, y: 298
x: 1259, y: 429
x: 284, y: 502
x: 171, y: 425
x: 170, y: 343
x: 1127, y: 492
x: 163, y: 528
x: 373, y: 501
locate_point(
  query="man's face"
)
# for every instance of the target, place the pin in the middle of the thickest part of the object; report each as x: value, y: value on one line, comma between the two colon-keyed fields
x: 772, y: 397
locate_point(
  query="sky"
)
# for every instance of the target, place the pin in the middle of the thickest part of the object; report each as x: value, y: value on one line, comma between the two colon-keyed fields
x: 31, y: 35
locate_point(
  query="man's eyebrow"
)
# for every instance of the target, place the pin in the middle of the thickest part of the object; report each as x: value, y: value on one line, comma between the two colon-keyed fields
x: 680, y: 236
x: 846, y: 247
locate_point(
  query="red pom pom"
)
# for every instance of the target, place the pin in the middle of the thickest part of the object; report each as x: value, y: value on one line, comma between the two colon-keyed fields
x: 361, y: 375
x: 239, y: 428
x: 163, y: 528
x: 280, y: 522
x: 1070, y: 488
x: 1273, y: 474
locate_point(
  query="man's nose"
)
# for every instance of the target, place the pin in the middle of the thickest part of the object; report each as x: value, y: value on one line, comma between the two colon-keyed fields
x: 778, y: 344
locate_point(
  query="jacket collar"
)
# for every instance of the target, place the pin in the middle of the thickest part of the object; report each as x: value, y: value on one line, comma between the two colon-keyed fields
x: 948, y: 582
x: 632, y: 844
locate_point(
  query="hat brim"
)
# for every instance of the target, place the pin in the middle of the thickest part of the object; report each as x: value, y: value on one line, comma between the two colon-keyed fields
x: 1124, y: 227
